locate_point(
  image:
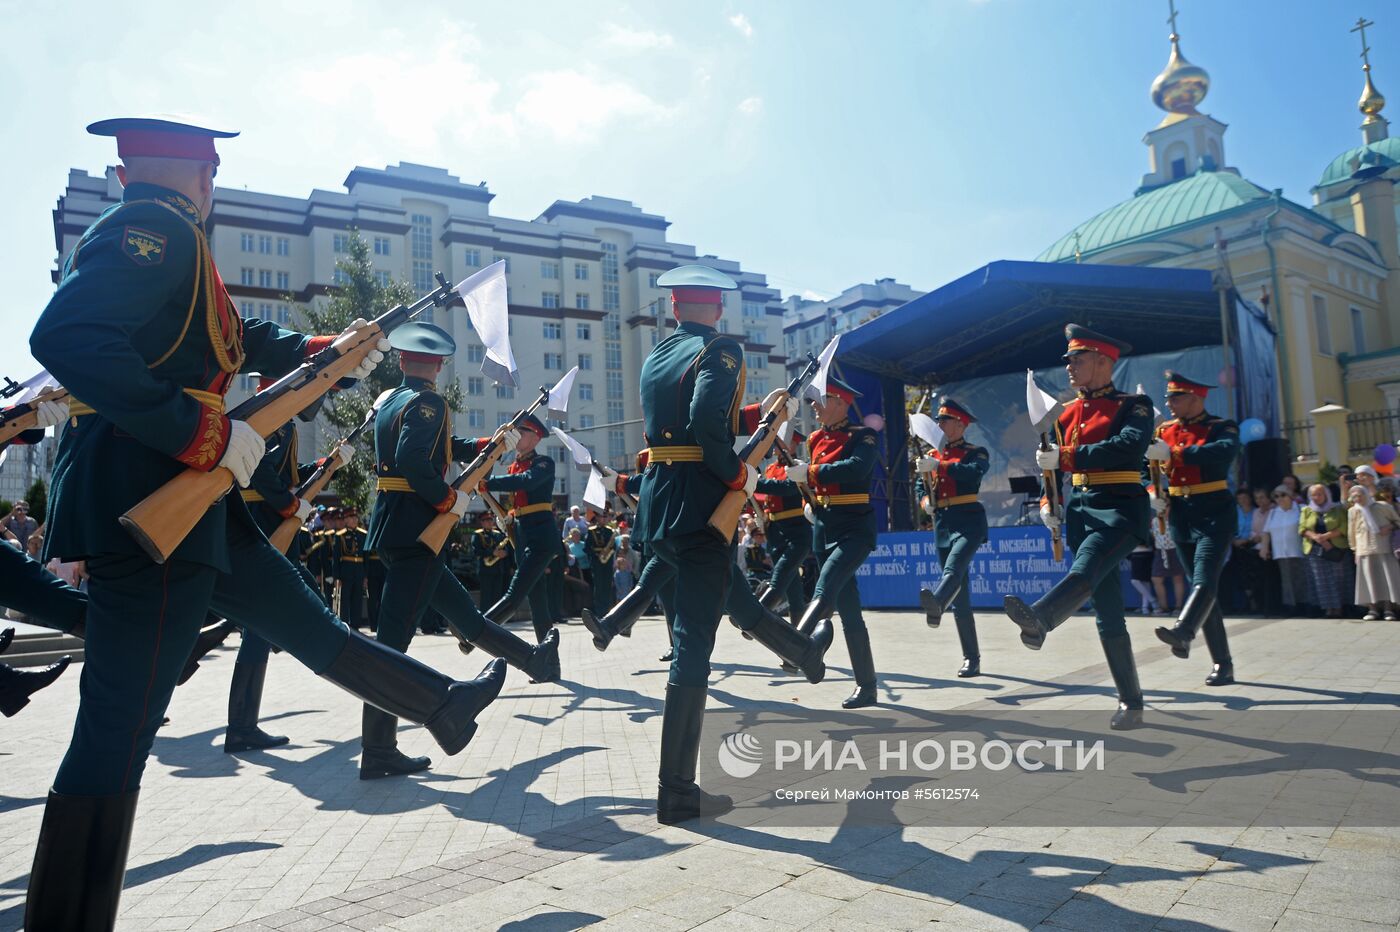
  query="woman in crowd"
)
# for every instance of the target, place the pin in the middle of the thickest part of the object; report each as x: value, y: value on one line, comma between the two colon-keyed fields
x: 1323, y: 526
x: 1268, y: 583
x: 1282, y: 545
x: 1371, y: 524
x: 1166, y: 564
x: 1140, y: 560
x: 1294, y: 485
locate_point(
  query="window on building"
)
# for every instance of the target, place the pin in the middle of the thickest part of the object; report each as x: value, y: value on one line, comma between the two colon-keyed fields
x: 245, y: 276
x: 613, y: 356
x: 553, y: 330
x: 585, y: 361
x: 475, y: 353
x: 554, y: 361
x: 617, y: 445
x: 651, y: 280
x: 420, y: 231
x: 245, y: 242
x: 756, y: 362
x: 284, y: 246
x: 381, y: 246
x: 265, y: 312
x: 504, y: 417
x: 246, y: 309
x: 265, y: 244
x: 580, y: 271
x: 1178, y: 168
x: 473, y: 258
x: 1324, y: 332
x: 615, y: 386
x: 476, y: 417
x: 284, y: 280
x: 612, y: 299
x: 584, y: 391
x: 423, y: 276
x: 476, y: 385
x: 549, y: 299
x: 756, y: 335
x: 583, y: 331
x: 284, y: 315
x: 505, y: 392
x: 506, y: 260
x: 340, y: 242
x: 723, y: 325
x: 612, y: 326
x: 753, y: 309
x: 581, y: 300
x: 1358, y: 331
x: 264, y: 278
x: 383, y: 278
x: 615, y: 412
x: 549, y: 270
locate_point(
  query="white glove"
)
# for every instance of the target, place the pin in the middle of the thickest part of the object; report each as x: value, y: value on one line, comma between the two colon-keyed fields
x: 345, y: 453
x: 1048, y: 459
x: 510, y: 438
x: 808, y: 513
x: 375, y: 356
x: 750, y: 480
x: 927, y: 464
x: 459, y: 506
x: 304, y: 510
x: 797, y: 472
x: 1047, y: 517
x: 1159, y: 504
x: 245, y: 450
x: 50, y: 413
x: 1158, y: 450
x: 609, y: 474
x: 929, y: 509
x: 793, y: 406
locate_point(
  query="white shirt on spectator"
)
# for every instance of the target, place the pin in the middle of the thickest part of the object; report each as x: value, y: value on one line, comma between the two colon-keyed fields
x: 1282, y: 528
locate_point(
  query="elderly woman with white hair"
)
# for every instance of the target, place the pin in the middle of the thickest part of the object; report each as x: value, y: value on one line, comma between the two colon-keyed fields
x: 1371, y: 524
x: 1323, y: 527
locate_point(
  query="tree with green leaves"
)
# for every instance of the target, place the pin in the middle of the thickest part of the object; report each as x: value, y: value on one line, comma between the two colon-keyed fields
x: 38, y: 499
x: 359, y: 294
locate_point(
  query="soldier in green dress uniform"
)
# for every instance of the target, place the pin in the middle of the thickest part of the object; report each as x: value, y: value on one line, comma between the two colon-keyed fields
x: 1101, y: 439
x: 350, y: 569
x: 414, y: 446
x: 949, y: 495
x: 1197, y: 450
x: 146, y: 340
x: 789, y: 535
x: 601, y: 542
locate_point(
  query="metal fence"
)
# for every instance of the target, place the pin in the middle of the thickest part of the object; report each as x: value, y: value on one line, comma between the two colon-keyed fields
x: 1369, y: 429
x: 1300, y: 438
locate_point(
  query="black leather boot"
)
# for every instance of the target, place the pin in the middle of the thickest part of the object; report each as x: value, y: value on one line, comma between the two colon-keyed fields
x: 863, y: 665
x: 1222, y: 667
x: 244, y: 702
x: 1221, y: 674
x: 398, y: 684
x: 7, y: 637
x: 16, y: 686
x: 207, y: 640
x: 1194, y: 611
x: 972, y: 654
x: 504, y: 609
x: 379, y: 753
x: 1119, y: 653
x: 678, y: 798
x: 539, y: 661
x: 1050, y: 610
x: 936, y: 601
x: 79, y: 864
x: 620, y: 618
x: 803, y: 652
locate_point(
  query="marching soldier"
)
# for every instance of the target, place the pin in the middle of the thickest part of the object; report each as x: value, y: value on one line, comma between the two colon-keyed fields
x: 843, y: 462
x: 1100, y: 440
x: 491, y: 547
x: 145, y: 338
x: 350, y: 569
x: 959, y: 522
x: 789, y: 535
x: 1197, y: 450
x: 414, y: 445
x: 374, y: 584
x: 602, y: 550
x: 530, y: 482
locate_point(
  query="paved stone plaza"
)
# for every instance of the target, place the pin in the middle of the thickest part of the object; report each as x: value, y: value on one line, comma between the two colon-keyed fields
x: 544, y: 823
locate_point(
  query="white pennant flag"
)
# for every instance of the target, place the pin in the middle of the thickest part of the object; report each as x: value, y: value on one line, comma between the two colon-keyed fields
x: 1038, y: 400
x: 484, y: 294
x: 31, y: 387
x: 596, y: 494
x: 559, y: 394
x: 578, y: 451
x: 817, y: 387
x: 926, y: 429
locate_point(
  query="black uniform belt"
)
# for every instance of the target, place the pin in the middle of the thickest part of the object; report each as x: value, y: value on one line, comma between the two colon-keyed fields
x: 1200, y: 488
x: 1106, y: 477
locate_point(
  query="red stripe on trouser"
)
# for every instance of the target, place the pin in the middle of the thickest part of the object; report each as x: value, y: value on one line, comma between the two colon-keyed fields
x: 151, y: 681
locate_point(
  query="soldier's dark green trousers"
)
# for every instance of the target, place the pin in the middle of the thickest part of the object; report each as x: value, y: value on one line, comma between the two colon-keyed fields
x: 415, y: 581
x: 142, y: 621
x: 1097, y: 554
x: 31, y: 590
x: 254, y: 649
x: 602, y: 589
x: 1204, y: 559
x: 538, y: 544
x: 702, y: 565
x: 790, y: 541
x: 352, y: 595
x: 554, y: 590
x: 959, y: 536
x: 836, y: 580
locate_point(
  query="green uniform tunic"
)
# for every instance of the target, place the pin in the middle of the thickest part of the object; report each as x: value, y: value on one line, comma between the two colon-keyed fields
x: 789, y: 535
x: 538, y: 547
x: 602, y: 554
x: 959, y: 527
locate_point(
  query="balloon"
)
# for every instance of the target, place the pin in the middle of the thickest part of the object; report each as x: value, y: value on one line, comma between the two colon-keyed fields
x: 873, y: 421
x: 1226, y: 377
x: 1252, y: 429
x: 1385, y: 454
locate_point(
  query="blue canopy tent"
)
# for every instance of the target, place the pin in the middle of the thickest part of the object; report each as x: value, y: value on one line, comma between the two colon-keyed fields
x: 1009, y: 316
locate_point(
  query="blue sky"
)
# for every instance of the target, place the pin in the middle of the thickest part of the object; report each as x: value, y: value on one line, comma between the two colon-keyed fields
x: 822, y: 143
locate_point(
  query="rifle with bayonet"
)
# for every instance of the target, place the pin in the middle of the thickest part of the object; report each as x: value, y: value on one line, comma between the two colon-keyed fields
x: 19, y: 418
x: 314, y: 485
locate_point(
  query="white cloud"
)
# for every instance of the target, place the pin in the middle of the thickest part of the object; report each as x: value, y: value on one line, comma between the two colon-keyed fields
x: 751, y: 106
x: 809, y: 295
x: 741, y: 22
x: 572, y: 105
x: 636, y: 39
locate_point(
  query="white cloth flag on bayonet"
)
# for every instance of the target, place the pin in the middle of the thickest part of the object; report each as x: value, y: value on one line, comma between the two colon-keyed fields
x: 926, y: 429
x: 484, y: 294
x: 559, y: 395
x: 817, y: 387
x: 596, y: 494
x: 31, y: 387
x: 1038, y: 400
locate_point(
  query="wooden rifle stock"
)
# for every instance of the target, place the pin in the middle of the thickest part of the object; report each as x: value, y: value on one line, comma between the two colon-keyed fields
x: 166, y: 517
x: 725, y: 519
x: 1052, y: 493
x: 25, y: 416
x: 807, y: 495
